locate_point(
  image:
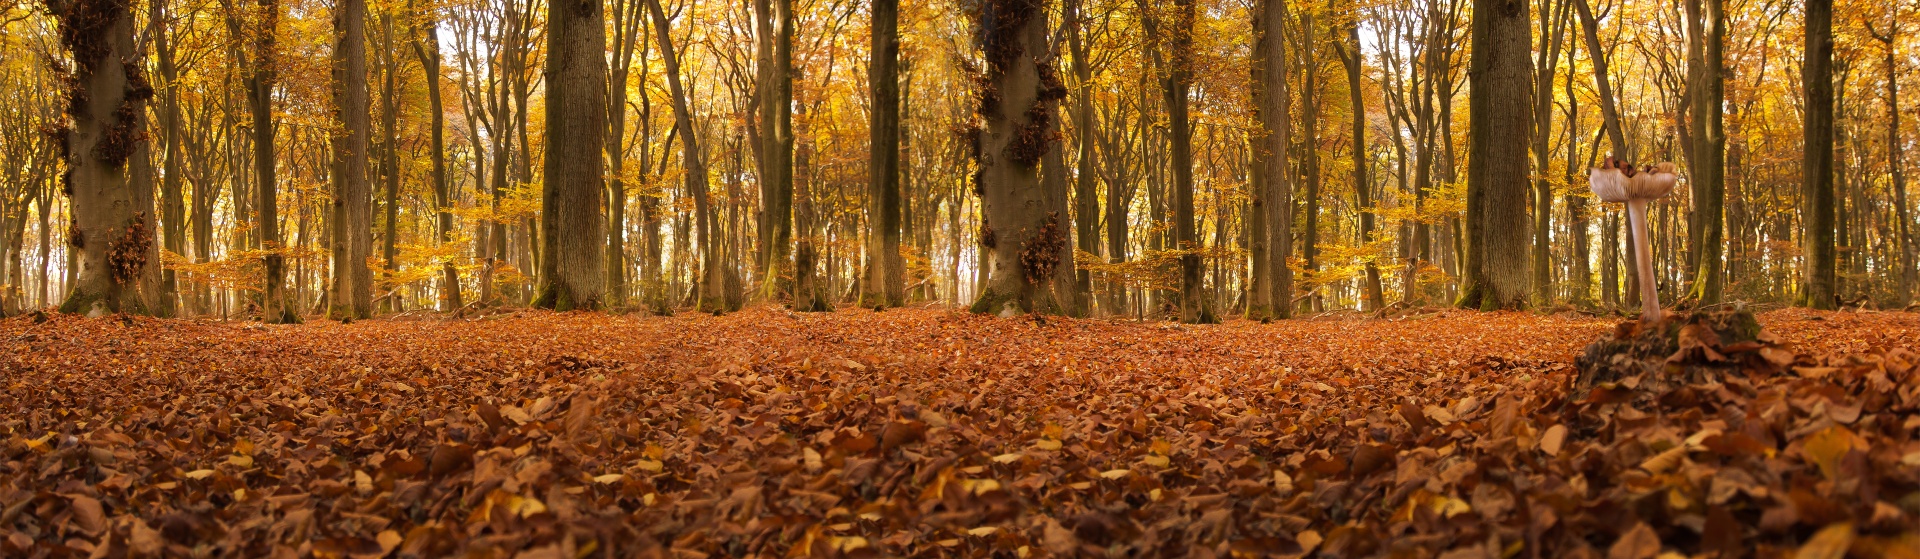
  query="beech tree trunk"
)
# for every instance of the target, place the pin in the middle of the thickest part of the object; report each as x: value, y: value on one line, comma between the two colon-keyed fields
x: 1897, y: 164
x: 1709, y: 160
x: 172, y: 205
x: 1499, y: 105
x: 884, y: 285
x: 1816, y: 193
x: 110, y: 236
x: 1086, y: 202
x: 1272, y: 103
x: 353, y: 194
x: 573, y: 258
x: 1195, y: 306
x: 1022, y: 232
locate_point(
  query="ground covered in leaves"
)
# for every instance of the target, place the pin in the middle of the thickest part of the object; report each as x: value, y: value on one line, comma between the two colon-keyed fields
x: 935, y: 433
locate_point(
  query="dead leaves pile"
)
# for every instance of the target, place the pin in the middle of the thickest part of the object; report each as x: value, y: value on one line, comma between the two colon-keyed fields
x: 930, y: 433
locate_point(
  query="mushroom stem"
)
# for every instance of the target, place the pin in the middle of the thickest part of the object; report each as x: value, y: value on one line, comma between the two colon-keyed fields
x: 1643, y: 255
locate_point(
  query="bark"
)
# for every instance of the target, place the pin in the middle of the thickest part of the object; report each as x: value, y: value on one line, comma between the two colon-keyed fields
x: 711, y: 297
x: 780, y: 157
x: 389, y: 158
x: 172, y: 205
x: 1710, y: 151
x: 1086, y: 202
x: 110, y: 238
x: 1552, y: 30
x: 276, y: 307
x: 1896, y: 165
x: 1195, y: 306
x: 884, y: 285
x: 1021, y: 232
x: 1497, y: 173
x: 1816, y: 193
x: 573, y: 258
x: 353, y: 196
x: 1310, y: 152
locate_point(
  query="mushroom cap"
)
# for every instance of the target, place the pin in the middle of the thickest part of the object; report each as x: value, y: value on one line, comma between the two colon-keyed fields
x: 1653, y: 183
x: 1609, y: 184
x: 1612, y: 185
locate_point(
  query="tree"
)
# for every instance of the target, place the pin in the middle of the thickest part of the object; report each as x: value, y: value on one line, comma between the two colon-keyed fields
x: 1816, y: 193
x: 574, y: 218
x: 1019, y: 93
x: 1195, y: 306
x: 1897, y: 161
x: 1499, y: 104
x: 1273, y: 104
x: 1709, y: 158
x: 885, y: 285
x: 353, y: 192
x: 110, y: 233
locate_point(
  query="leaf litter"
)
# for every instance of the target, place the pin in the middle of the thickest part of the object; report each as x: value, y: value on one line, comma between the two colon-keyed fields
x: 933, y: 433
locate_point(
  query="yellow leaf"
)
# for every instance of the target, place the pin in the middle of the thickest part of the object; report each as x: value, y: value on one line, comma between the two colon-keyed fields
x: 651, y: 465
x: 240, y: 461
x: 199, y: 474
x: 1156, y: 461
x: 1827, y: 446
x: 1008, y: 458
x: 1830, y: 542
x: 1665, y: 461
x: 1115, y: 474
x: 1047, y: 444
x: 811, y: 458
x: 983, y: 531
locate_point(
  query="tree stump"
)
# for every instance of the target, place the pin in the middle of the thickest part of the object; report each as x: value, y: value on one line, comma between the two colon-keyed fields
x: 1682, y: 348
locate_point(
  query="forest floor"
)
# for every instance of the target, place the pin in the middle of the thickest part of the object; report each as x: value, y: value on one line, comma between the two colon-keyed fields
x: 940, y: 433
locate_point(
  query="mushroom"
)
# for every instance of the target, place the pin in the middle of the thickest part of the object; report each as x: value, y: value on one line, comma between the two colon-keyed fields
x: 1617, y: 181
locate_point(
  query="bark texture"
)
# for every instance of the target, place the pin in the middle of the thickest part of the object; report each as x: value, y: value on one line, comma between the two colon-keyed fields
x: 111, y: 234
x: 1020, y: 233
x: 1497, y: 173
x: 353, y: 192
x: 573, y: 266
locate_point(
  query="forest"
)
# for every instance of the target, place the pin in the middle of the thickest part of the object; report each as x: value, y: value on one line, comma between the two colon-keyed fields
x: 958, y: 278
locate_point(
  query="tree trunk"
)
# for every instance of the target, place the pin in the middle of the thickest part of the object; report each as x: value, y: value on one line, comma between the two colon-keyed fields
x: 1024, y: 235
x: 1086, y: 211
x: 109, y: 237
x: 266, y: 184
x: 1816, y: 193
x: 573, y: 258
x: 885, y: 286
x: 353, y: 196
x: 1710, y: 152
x: 1195, y: 307
x: 1272, y: 105
x: 172, y: 205
x: 1310, y: 233
x: 1896, y: 166
x: 780, y: 207
x: 1498, y: 130
x: 1552, y: 29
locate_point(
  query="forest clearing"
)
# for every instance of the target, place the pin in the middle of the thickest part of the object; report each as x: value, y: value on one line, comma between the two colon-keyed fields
x: 918, y: 432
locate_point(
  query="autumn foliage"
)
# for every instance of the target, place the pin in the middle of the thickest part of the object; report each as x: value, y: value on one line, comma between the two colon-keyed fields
x: 935, y: 433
